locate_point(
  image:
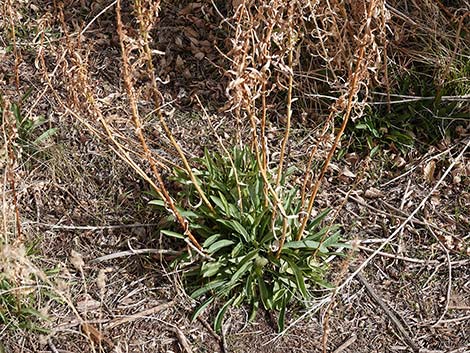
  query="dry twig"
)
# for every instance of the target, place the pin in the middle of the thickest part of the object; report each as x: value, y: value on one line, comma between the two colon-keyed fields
x: 142, y: 314
x: 346, y: 344
x: 389, y: 313
x: 182, y: 340
x: 119, y: 254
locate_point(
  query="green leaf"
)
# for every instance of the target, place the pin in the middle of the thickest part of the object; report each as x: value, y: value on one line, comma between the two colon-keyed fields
x: 319, y: 235
x: 29, y: 311
x: 220, y: 315
x: 184, y: 213
x: 324, y: 283
x: 254, y: 311
x: 333, y: 241
x: 302, y: 244
x: 299, y: 279
x: 361, y: 126
x: 172, y: 234
x: 260, y: 262
x: 374, y: 151
x: 237, y: 227
x: 219, y: 203
x: 282, y: 316
x: 15, y: 109
x: 239, y: 299
x: 249, y: 288
x: 291, y: 200
x: 207, y: 161
x: 208, y: 287
x: 209, y: 269
x: 266, y: 297
x: 244, y: 265
x: 256, y: 193
x: 201, y: 308
x: 209, y: 241
x: 313, y: 224
x: 35, y: 328
x: 236, y: 250
x: 328, y: 242
x: 46, y: 134
x: 226, y: 204
x: 34, y: 124
x: 219, y: 245
x: 159, y: 203
x: 255, y: 223
x: 278, y: 294
x: 248, y: 219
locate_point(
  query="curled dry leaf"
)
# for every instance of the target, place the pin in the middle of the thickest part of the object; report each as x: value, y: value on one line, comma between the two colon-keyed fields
x: 435, y: 200
x: 87, y: 304
x: 179, y: 62
x: 460, y: 172
x: 373, y: 193
x: 351, y: 158
x: 399, y: 162
x: 179, y: 42
x: 461, y: 131
x: 346, y: 172
x: 187, y: 74
x: 95, y: 335
x: 428, y: 171
x: 357, y: 195
x: 191, y: 33
x: 101, y: 279
x: 333, y: 167
x: 205, y: 43
x: 76, y: 259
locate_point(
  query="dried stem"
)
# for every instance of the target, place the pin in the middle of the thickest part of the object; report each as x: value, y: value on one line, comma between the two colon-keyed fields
x: 354, y: 86
x: 9, y: 141
x: 156, y: 96
x: 289, y: 102
x: 161, y: 189
x: 13, y: 40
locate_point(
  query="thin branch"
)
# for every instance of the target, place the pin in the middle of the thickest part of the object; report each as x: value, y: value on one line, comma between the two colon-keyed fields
x: 135, y: 252
x: 449, y: 281
x: 389, y: 313
x: 142, y: 314
x: 346, y: 344
x: 156, y: 97
x: 96, y: 17
x: 161, y: 189
x: 115, y: 226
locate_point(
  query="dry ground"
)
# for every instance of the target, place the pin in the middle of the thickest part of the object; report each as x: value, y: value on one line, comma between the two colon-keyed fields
x: 79, y: 202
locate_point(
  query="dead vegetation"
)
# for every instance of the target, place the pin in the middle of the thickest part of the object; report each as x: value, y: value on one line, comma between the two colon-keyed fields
x: 125, y: 91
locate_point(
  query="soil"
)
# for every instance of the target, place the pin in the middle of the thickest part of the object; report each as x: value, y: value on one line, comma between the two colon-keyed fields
x: 79, y: 202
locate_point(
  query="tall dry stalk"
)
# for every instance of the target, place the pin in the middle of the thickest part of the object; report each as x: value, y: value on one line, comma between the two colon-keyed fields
x: 145, y: 16
x: 160, y: 188
x: 356, y: 77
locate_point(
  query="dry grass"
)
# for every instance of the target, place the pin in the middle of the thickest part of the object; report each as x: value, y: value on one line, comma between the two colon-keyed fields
x: 285, y: 79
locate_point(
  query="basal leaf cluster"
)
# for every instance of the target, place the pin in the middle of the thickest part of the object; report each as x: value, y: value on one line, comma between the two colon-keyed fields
x: 241, y: 235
